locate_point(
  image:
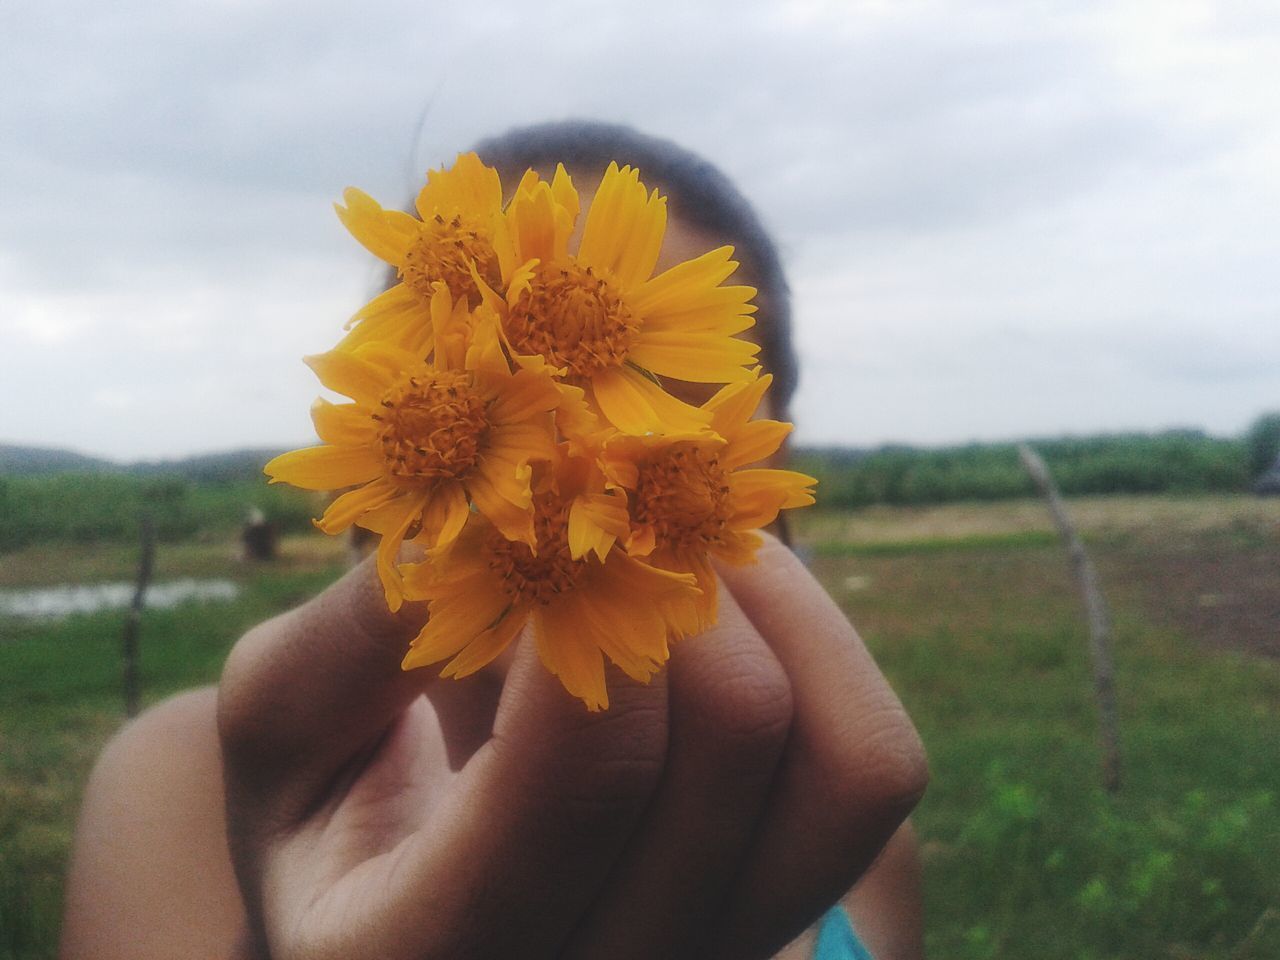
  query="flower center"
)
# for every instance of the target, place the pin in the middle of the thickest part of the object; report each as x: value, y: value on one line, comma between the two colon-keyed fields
x: 445, y: 250
x: 527, y: 578
x: 573, y: 318
x: 432, y: 425
x: 683, y: 494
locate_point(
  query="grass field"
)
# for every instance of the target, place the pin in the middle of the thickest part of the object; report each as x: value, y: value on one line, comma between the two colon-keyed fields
x: 60, y: 695
x: 971, y: 612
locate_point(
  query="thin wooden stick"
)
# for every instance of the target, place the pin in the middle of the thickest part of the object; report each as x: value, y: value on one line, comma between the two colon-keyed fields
x: 133, y: 619
x: 1095, y: 606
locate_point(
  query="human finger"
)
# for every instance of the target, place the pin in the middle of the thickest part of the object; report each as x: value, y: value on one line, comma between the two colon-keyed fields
x: 528, y: 831
x: 852, y: 770
x: 730, y: 710
x: 308, y: 690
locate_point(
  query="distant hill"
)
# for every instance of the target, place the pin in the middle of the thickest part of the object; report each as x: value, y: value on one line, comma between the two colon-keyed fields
x: 231, y: 465
x: 28, y: 461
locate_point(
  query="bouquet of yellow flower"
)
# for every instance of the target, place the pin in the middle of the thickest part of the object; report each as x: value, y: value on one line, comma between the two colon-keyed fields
x: 509, y: 413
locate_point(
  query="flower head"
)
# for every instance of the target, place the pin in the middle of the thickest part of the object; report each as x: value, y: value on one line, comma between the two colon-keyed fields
x: 583, y: 605
x: 449, y: 242
x: 597, y: 318
x: 423, y: 442
x: 692, y: 499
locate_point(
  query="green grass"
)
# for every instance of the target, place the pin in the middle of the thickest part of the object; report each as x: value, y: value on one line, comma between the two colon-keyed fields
x: 971, y: 612
x: 897, y: 548
x: 60, y: 700
x: 1025, y: 855
x: 90, y: 508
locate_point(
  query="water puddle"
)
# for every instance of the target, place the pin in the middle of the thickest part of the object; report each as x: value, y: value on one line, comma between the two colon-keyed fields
x: 46, y: 603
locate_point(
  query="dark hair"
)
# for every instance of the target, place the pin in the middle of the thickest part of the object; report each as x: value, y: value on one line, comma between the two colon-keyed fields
x: 701, y: 195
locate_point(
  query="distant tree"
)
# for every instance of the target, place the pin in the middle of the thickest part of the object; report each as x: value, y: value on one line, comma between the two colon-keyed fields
x: 1262, y: 440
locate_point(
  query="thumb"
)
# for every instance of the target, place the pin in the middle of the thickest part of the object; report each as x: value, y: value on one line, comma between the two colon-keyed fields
x: 306, y: 691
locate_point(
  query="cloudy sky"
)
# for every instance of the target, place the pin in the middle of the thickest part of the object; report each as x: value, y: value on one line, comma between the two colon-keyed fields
x: 1001, y: 219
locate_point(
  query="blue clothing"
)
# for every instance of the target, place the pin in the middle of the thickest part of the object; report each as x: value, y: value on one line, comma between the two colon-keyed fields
x: 837, y: 940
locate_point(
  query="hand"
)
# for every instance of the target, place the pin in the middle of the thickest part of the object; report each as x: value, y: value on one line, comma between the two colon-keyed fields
x: 715, y: 812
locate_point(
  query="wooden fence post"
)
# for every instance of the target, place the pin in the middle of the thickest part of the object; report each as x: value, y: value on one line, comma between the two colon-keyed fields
x: 1095, y: 606
x: 133, y: 619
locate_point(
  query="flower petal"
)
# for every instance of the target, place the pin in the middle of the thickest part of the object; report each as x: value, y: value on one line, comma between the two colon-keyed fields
x: 445, y: 514
x: 484, y: 354
x: 596, y: 522
x: 326, y: 467
x: 457, y: 570
x: 698, y: 563
x: 526, y: 394
x: 706, y: 359
x: 397, y: 314
x: 518, y: 443
x: 575, y: 420
x: 343, y: 424
x: 391, y: 360
x: 758, y: 494
x: 736, y: 404
x: 564, y: 192
x: 687, y: 283
x: 624, y: 639
x: 515, y: 522
x: 706, y: 314
x: 389, y: 548
x: 637, y: 589
x: 352, y: 505
x: 636, y: 405
x: 567, y: 649
x: 351, y: 376
x: 539, y: 226
x: 450, y: 325
x: 387, y: 234
x: 486, y: 648
x: 455, y: 621
x: 754, y: 442
x: 624, y: 228
x: 643, y: 540
x: 738, y: 547
x: 468, y: 187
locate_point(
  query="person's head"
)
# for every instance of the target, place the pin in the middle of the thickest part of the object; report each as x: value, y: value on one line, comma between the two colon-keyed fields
x: 706, y: 211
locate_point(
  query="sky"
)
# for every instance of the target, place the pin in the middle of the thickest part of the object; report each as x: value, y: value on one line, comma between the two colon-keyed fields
x: 999, y: 219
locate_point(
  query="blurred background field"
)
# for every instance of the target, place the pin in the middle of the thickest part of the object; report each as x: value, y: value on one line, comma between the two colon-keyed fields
x: 953, y: 574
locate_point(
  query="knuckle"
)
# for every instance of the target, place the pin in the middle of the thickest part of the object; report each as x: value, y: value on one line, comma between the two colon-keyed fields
x: 775, y: 554
x: 240, y: 713
x: 748, y: 707
x: 364, y: 606
x: 886, y: 770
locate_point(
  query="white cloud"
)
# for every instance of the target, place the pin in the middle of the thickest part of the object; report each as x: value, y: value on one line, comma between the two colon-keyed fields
x: 984, y: 206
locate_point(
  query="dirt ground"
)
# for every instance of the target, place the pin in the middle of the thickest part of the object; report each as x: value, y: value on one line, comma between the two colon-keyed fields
x: 1225, y: 595
x: 1208, y: 566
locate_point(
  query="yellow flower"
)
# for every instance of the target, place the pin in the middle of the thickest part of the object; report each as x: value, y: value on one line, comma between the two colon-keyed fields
x: 690, y: 500
x: 451, y: 236
x: 422, y: 442
x: 602, y: 602
x: 599, y: 319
